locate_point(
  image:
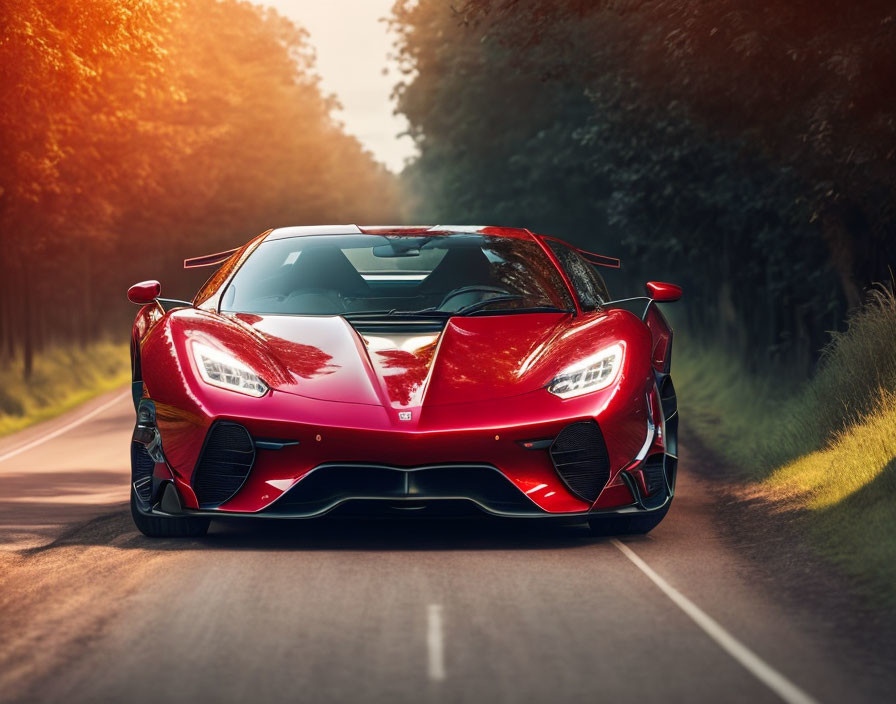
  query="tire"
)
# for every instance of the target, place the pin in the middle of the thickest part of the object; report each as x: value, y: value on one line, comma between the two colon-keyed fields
x: 159, y: 527
x: 628, y: 524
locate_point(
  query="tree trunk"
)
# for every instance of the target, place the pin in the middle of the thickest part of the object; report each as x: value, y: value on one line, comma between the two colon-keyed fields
x: 5, y: 322
x: 10, y: 326
x: 840, y: 245
x: 83, y: 332
x: 28, y: 321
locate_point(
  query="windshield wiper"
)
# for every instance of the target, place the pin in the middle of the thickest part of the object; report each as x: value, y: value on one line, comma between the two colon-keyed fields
x: 478, y: 305
x: 433, y: 312
x: 532, y: 309
x: 473, y: 309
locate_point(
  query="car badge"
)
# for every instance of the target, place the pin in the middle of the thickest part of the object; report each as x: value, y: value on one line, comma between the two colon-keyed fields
x: 404, y: 415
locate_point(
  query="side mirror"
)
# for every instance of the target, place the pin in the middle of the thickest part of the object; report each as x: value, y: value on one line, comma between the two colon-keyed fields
x: 144, y: 293
x: 663, y: 293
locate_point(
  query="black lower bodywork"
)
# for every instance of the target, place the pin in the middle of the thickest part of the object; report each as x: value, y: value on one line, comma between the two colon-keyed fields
x: 578, y: 454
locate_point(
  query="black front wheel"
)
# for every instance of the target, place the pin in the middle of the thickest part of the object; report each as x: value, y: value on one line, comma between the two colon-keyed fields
x: 628, y: 524
x: 168, y: 527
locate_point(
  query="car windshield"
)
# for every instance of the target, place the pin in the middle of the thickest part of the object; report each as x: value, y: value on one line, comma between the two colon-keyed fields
x: 400, y: 275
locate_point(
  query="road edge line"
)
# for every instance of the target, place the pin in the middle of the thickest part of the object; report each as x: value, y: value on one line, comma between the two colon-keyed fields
x: 64, y: 429
x: 760, y: 669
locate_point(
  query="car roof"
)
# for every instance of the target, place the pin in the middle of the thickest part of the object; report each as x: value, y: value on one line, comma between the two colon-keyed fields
x: 417, y: 230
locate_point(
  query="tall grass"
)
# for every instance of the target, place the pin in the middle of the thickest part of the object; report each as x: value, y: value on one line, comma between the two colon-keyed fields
x: 825, y: 449
x: 62, y: 378
x: 857, y: 371
x: 760, y: 422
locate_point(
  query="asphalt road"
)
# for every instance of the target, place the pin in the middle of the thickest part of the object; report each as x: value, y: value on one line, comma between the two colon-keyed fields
x: 383, y: 611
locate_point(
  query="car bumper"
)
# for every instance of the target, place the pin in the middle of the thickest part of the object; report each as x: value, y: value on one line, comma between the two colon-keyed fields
x: 458, y: 455
x: 429, y: 502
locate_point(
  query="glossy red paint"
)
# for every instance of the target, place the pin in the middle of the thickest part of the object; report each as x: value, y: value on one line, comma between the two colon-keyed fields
x: 661, y: 332
x: 340, y: 394
x: 475, y: 392
x: 663, y: 292
x: 145, y: 292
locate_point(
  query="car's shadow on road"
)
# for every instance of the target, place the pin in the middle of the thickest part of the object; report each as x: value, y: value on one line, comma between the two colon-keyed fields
x: 391, y: 534
x: 340, y: 533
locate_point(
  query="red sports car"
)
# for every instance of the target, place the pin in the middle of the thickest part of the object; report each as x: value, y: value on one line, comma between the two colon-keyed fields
x: 428, y: 369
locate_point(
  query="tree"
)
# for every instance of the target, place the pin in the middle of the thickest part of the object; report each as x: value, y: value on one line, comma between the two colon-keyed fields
x: 135, y: 134
x: 747, y: 150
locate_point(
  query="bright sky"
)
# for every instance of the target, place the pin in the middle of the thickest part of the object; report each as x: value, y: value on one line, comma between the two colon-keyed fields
x: 352, y: 47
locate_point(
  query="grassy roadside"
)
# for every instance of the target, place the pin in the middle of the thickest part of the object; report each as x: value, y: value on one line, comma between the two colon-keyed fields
x: 62, y: 379
x: 825, y: 450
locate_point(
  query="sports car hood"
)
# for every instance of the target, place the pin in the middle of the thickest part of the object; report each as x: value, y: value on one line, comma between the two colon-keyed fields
x: 471, y: 359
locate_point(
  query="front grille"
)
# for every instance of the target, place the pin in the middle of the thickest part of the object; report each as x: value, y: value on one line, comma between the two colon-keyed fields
x: 224, y: 464
x: 579, y: 454
x: 142, y: 467
x: 329, y: 485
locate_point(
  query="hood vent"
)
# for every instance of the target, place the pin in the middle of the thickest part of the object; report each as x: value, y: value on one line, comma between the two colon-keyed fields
x: 405, y: 326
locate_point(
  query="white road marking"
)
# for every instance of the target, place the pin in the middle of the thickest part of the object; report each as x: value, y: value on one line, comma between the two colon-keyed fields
x: 760, y: 669
x: 435, y: 642
x: 64, y: 429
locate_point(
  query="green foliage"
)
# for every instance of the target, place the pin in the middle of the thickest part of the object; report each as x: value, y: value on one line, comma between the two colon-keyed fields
x: 135, y: 134
x: 856, y: 532
x: 746, y: 151
x: 824, y: 450
x: 63, y: 377
x: 857, y: 370
x: 735, y: 413
x: 763, y: 421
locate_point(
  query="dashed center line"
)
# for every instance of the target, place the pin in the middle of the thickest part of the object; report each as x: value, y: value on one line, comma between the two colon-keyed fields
x: 760, y: 669
x: 435, y: 643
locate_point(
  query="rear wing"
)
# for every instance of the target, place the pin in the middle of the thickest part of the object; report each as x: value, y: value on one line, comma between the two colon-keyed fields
x: 210, y: 259
x: 591, y: 257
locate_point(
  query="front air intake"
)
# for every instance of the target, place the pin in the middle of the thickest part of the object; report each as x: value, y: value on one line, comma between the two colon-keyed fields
x: 227, y: 457
x: 579, y: 454
x: 654, y: 470
x: 142, y: 467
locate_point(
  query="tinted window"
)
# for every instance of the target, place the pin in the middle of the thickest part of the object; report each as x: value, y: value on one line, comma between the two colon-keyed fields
x: 338, y: 274
x: 589, y: 285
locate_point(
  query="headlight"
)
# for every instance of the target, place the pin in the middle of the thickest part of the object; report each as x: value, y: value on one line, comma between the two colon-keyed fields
x: 220, y: 369
x: 591, y: 374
